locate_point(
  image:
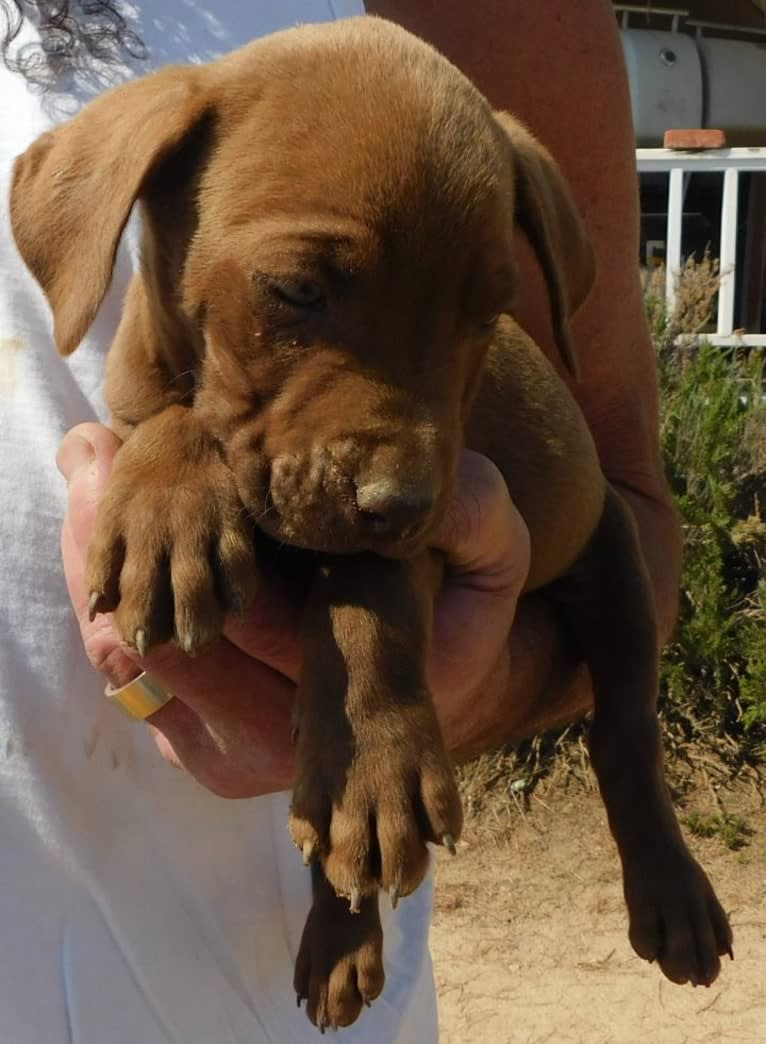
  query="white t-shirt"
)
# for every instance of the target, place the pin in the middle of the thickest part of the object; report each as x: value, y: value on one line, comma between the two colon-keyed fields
x: 135, y: 907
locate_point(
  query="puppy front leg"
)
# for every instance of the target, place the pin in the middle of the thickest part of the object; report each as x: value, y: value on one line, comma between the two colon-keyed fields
x: 172, y: 548
x: 374, y: 783
x: 675, y: 917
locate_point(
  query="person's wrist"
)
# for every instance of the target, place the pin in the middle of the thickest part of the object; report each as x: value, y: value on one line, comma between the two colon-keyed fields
x: 474, y: 721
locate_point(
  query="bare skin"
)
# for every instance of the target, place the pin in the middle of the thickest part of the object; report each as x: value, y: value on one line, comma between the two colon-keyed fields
x: 230, y: 724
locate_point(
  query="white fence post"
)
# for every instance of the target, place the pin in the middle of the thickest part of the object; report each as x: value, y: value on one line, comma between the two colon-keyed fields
x: 728, y: 254
x: 675, y: 230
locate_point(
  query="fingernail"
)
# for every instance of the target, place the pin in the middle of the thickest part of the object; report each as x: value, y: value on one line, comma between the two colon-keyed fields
x: 75, y: 453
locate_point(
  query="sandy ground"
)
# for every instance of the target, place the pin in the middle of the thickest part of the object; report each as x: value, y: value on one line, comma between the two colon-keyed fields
x: 530, y: 941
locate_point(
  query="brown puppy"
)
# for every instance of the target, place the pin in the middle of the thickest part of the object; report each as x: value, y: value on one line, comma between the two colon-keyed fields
x: 320, y: 324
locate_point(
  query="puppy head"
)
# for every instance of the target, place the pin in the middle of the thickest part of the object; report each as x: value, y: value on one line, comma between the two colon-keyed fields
x: 328, y: 222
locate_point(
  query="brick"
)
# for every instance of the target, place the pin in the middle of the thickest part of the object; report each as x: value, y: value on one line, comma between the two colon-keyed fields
x: 695, y: 139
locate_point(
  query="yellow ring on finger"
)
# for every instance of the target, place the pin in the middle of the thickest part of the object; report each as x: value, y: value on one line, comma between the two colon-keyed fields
x: 140, y: 697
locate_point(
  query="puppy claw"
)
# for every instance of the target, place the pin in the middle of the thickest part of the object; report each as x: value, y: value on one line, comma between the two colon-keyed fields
x: 394, y: 897
x: 355, y: 903
x: 449, y: 843
x: 308, y: 850
x: 141, y: 642
x: 95, y: 598
x: 730, y: 952
x: 298, y: 999
x: 190, y: 642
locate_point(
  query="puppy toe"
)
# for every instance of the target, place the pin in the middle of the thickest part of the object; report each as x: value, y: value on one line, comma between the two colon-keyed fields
x: 724, y: 937
x: 302, y: 975
x: 646, y: 932
x: 440, y: 803
x: 306, y: 838
x: 106, y: 555
x: 144, y: 616
x: 707, y: 964
x: 234, y: 568
x: 316, y: 1003
x: 403, y: 852
x: 198, y: 614
x: 352, y: 864
x: 370, y: 976
x: 309, y: 822
x: 344, y: 1003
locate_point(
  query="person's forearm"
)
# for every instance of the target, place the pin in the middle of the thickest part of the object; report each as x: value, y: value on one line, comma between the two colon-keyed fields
x: 538, y: 684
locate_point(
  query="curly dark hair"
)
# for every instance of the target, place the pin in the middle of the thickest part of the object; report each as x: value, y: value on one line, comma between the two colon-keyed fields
x: 69, y: 31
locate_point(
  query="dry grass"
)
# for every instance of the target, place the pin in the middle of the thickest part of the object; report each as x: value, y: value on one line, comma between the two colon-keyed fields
x: 500, y: 787
x: 697, y: 287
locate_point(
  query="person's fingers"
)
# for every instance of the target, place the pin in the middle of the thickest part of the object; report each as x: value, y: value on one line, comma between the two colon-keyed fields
x: 85, y: 459
x: 270, y: 630
x: 231, y: 723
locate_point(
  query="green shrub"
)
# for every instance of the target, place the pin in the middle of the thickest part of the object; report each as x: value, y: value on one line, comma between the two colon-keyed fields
x: 732, y: 830
x: 713, y: 430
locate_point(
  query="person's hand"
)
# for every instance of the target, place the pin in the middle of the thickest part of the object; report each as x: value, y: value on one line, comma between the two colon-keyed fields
x: 230, y: 722
x: 486, y: 542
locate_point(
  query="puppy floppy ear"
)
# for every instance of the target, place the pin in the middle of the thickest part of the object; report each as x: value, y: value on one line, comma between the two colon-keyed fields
x: 73, y: 189
x: 551, y: 222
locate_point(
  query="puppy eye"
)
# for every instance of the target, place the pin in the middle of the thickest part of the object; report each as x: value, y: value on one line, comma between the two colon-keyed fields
x: 300, y: 293
x: 490, y: 321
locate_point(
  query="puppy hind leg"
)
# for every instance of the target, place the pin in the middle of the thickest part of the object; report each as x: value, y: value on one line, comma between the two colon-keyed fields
x: 675, y: 917
x: 339, y: 967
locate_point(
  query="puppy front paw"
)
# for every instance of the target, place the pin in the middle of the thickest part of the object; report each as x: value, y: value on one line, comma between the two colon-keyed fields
x: 172, y: 547
x: 676, y: 919
x: 339, y: 968
x: 368, y: 806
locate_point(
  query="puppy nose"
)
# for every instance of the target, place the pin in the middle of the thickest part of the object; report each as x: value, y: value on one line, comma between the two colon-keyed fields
x: 390, y: 509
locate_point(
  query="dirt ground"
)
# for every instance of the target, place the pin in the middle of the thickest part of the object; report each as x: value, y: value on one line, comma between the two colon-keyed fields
x: 530, y: 939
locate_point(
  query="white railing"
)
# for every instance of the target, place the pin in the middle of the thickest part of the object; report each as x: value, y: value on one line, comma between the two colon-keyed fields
x: 679, y: 165
x: 626, y: 10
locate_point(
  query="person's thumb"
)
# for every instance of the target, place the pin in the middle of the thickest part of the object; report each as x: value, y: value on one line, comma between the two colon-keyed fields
x: 484, y: 537
x: 85, y: 460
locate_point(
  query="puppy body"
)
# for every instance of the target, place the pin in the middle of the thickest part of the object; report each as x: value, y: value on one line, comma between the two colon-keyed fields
x: 526, y: 420
x: 322, y: 321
